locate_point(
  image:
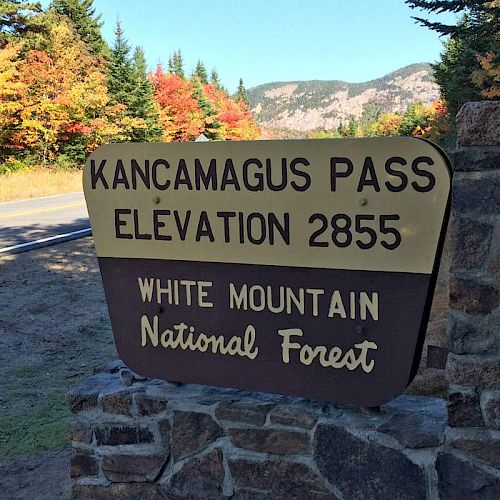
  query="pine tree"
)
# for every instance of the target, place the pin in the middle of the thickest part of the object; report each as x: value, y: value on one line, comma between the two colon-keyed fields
x: 371, y: 112
x: 214, y: 79
x: 85, y: 21
x: 352, y: 128
x: 200, y: 73
x: 212, y: 123
x: 241, y: 93
x: 17, y: 17
x: 453, y: 73
x: 176, y: 64
x: 483, y: 15
x: 476, y: 33
x: 121, y: 78
x: 416, y: 115
x: 141, y: 104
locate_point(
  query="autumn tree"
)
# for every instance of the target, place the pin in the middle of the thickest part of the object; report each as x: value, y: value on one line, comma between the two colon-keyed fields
x: 62, y: 95
x: 85, y: 21
x: 180, y: 115
x: 488, y: 77
x: 438, y: 124
x: 236, y: 121
x: 11, y: 89
x: 387, y: 124
x: 416, y: 115
x: 18, y: 17
x: 419, y: 120
x: 64, y: 99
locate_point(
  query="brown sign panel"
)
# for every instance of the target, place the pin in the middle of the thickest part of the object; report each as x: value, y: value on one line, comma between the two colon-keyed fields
x: 304, y: 267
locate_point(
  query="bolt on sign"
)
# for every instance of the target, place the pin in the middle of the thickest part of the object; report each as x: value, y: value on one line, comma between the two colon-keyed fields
x: 302, y: 267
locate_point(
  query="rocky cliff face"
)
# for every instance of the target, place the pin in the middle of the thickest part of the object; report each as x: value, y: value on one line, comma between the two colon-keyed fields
x: 313, y: 105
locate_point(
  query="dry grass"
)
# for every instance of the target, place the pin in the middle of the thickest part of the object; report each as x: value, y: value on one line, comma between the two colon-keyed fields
x: 39, y: 182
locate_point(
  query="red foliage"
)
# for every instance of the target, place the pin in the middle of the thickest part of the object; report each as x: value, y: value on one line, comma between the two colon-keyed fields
x: 180, y: 115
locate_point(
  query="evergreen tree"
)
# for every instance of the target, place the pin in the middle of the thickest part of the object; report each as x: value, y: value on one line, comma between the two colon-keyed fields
x: 212, y: 123
x: 176, y: 64
x: 214, y: 79
x: 483, y: 15
x: 200, y: 73
x: 18, y: 17
x: 476, y: 33
x: 141, y: 104
x: 416, y: 115
x: 453, y: 74
x: 352, y: 128
x: 371, y: 112
x: 121, y: 77
x: 241, y: 93
x: 86, y: 23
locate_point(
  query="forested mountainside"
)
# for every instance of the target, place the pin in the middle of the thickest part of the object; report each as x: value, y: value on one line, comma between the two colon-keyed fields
x: 323, y: 104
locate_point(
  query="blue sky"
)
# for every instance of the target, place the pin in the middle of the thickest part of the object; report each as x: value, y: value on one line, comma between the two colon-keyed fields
x: 276, y: 40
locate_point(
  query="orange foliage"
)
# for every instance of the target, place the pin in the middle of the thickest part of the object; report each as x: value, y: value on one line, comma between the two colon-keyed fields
x: 388, y: 124
x: 182, y: 118
x: 236, y: 120
x: 437, y: 121
x: 57, y: 101
x: 62, y: 91
x: 180, y: 115
x: 488, y: 77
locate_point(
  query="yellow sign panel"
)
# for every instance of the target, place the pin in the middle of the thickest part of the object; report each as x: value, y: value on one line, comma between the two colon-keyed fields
x: 359, y: 204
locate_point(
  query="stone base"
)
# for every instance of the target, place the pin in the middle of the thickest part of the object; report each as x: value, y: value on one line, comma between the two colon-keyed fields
x: 148, y: 439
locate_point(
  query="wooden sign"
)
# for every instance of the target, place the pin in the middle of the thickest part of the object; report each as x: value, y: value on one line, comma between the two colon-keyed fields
x: 302, y: 267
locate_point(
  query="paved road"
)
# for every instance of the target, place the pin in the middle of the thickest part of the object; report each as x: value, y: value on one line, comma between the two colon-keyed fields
x: 28, y: 224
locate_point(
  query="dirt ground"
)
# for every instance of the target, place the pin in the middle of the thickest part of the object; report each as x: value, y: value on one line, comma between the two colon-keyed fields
x: 54, y: 330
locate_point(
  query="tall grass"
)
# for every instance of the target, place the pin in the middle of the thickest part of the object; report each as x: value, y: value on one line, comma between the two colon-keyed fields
x: 39, y: 181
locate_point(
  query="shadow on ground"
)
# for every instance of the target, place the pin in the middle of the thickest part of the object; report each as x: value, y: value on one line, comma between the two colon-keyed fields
x: 10, y: 235
x: 54, y: 330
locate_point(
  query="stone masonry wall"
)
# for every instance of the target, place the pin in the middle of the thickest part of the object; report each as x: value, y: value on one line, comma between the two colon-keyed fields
x: 473, y: 367
x: 148, y: 439
x: 134, y: 438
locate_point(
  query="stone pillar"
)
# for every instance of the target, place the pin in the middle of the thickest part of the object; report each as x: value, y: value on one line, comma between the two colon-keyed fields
x: 473, y: 366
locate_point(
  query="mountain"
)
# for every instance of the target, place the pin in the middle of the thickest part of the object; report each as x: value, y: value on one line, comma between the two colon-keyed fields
x: 324, y: 104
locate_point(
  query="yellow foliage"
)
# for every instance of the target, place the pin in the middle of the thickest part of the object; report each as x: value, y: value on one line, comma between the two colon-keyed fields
x: 388, y: 124
x: 488, y: 77
x: 11, y: 88
x: 64, y: 91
